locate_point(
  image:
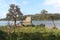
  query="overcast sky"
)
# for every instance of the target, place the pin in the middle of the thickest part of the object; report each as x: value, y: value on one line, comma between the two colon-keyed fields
x: 30, y: 6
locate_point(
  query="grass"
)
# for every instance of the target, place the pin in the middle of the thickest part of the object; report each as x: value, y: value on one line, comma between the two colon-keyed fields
x: 32, y: 33
x: 30, y: 29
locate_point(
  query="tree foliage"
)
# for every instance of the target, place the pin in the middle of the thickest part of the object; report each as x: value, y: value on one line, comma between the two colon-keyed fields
x: 14, y: 12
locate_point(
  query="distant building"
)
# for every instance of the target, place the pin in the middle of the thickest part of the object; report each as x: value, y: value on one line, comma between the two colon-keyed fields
x: 27, y: 21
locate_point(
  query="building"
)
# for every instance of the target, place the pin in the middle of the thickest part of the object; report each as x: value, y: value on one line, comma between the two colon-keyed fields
x: 27, y: 21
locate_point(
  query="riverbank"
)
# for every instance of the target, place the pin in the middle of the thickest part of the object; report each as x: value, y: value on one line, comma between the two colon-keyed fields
x: 28, y: 29
x: 30, y: 33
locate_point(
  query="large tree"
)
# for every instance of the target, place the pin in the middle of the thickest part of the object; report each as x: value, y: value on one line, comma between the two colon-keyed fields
x: 14, y: 12
x: 44, y: 11
x: 44, y: 14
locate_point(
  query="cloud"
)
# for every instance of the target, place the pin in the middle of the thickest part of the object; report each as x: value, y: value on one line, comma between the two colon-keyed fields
x: 55, y: 4
x: 24, y: 2
x: 2, y: 14
x: 51, y: 2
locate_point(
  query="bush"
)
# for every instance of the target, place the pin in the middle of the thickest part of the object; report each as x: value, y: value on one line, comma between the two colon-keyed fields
x: 31, y: 33
x: 3, y: 35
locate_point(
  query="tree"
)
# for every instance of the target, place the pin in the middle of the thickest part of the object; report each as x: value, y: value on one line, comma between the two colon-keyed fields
x: 52, y: 18
x: 44, y: 11
x: 44, y: 14
x: 18, y: 11
x: 14, y: 12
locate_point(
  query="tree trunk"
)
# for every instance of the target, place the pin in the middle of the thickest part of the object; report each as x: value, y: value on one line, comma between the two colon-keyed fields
x: 15, y: 21
x: 54, y: 24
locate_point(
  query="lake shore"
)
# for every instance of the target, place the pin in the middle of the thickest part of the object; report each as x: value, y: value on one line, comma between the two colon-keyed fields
x: 32, y: 33
x: 48, y: 23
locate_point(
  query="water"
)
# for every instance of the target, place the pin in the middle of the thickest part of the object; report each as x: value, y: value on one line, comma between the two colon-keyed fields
x: 48, y: 23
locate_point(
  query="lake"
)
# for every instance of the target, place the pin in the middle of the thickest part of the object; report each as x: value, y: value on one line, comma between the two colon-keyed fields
x: 48, y: 23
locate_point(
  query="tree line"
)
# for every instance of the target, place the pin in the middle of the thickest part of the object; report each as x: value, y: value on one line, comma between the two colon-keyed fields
x: 43, y: 15
x: 38, y: 17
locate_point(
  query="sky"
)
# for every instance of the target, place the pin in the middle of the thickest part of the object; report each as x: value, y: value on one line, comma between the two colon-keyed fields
x: 30, y: 6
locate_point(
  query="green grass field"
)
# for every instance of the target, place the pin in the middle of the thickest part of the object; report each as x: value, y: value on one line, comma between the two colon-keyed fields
x: 31, y: 33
